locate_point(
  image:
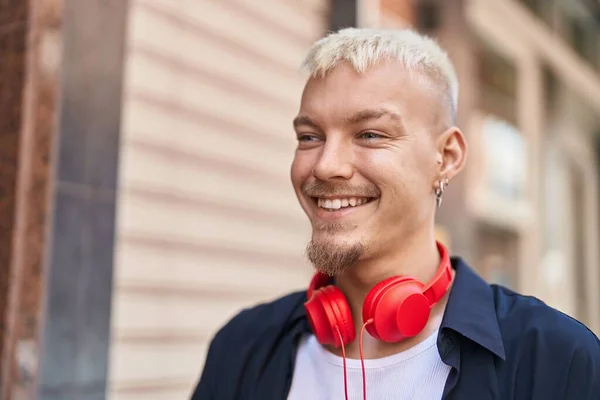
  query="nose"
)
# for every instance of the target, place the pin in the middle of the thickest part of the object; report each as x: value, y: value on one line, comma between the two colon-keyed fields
x: 334, y: 162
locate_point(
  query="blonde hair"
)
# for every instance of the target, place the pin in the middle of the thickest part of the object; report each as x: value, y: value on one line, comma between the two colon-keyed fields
x: 363, y: 47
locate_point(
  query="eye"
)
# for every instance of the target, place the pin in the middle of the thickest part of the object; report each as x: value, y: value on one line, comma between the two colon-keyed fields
x: 370, y: 135
x: 308, y: 141
x: 307, y: 138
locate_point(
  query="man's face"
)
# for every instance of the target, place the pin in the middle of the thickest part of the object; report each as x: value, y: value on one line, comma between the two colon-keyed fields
x: 366, y: 162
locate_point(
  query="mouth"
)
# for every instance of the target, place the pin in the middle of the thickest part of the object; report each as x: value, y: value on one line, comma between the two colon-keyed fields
x: 333, y: 208
x: 339, y: 203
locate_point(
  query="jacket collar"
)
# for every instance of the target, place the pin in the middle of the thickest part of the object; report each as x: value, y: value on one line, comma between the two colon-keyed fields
x: 471, y: 310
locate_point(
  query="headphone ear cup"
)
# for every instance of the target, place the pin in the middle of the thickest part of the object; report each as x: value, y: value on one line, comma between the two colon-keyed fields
x: 326, y: 309
x: 398, y: 309
x: 413, y: 312
x: 372, y: 299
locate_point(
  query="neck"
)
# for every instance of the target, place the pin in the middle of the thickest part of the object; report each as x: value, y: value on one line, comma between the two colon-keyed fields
x: 419, y: 259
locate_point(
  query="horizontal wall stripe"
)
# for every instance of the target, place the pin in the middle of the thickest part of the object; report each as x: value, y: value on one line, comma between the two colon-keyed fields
x: 279, y: 26
x: 183, y: 156
x: 181, y: 292
x: 171, y: 109
x: 203, y: 204
x: 150, y: 387
x: 202, y: 74
x: 217, y: 248
x: 190, y: 27
x: 162, y: 338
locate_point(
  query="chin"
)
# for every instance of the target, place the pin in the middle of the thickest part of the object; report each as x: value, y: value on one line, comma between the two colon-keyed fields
x: 332, y: 253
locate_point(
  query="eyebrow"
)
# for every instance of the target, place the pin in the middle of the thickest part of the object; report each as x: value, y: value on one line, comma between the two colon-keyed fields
x: 371, y: 114
x: 358, y: 117
x: 305, y: 121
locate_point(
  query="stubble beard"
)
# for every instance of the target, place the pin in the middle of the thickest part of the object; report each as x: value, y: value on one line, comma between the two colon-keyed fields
x: 329, y: 257
x: 326, y: 254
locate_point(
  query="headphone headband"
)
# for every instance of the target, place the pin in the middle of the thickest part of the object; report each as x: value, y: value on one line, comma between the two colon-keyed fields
x: 438, y: 286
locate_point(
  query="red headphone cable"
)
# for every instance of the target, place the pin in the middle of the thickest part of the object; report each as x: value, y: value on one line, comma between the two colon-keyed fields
x: 337, y: 329
x: 362, y: 358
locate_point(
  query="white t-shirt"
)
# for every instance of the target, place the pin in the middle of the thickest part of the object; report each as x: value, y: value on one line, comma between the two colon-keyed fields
x: 415, y: 374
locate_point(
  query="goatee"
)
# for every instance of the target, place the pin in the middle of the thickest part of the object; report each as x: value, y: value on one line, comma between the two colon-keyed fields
x: 332, y: 259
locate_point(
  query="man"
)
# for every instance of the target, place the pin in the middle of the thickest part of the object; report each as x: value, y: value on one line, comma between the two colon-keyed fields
x: 377, y: 147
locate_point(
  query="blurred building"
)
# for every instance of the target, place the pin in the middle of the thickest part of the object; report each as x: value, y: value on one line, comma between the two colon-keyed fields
x: 526, y: 211
x: 145, y: 158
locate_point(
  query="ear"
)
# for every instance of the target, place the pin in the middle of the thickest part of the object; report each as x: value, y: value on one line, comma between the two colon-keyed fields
x: 452, y: 153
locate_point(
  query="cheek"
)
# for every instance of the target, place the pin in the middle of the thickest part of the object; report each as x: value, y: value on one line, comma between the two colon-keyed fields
x: 300, y: 170
x: 400, y: 178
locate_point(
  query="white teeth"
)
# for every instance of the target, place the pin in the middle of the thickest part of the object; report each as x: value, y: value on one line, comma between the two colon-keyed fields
x: 336, y: 204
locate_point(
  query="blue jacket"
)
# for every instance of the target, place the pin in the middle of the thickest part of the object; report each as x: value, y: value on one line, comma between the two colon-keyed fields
x: 500, y: 345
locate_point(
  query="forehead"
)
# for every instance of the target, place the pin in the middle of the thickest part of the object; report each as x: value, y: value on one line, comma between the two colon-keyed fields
x: 343, y: 91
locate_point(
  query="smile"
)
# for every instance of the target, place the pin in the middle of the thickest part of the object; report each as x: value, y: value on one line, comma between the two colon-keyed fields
x: 336, y: 204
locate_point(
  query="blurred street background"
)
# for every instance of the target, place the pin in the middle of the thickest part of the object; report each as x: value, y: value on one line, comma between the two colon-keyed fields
x: 145, y: 148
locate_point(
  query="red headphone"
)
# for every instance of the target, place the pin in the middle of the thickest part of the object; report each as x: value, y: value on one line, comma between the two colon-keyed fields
x: 399, y: 306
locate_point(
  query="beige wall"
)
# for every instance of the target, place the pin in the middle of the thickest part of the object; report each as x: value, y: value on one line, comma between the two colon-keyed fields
x: 207, y: 220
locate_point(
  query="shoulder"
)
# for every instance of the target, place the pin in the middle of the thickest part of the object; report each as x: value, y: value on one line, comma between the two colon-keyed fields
x: 528, y: 322
x: 261, y: 318
x: 244, y: 340
x: 543, y: 342
x: 249, y: 335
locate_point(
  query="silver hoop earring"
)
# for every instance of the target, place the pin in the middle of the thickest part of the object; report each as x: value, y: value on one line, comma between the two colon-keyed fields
x: 439, y: 191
